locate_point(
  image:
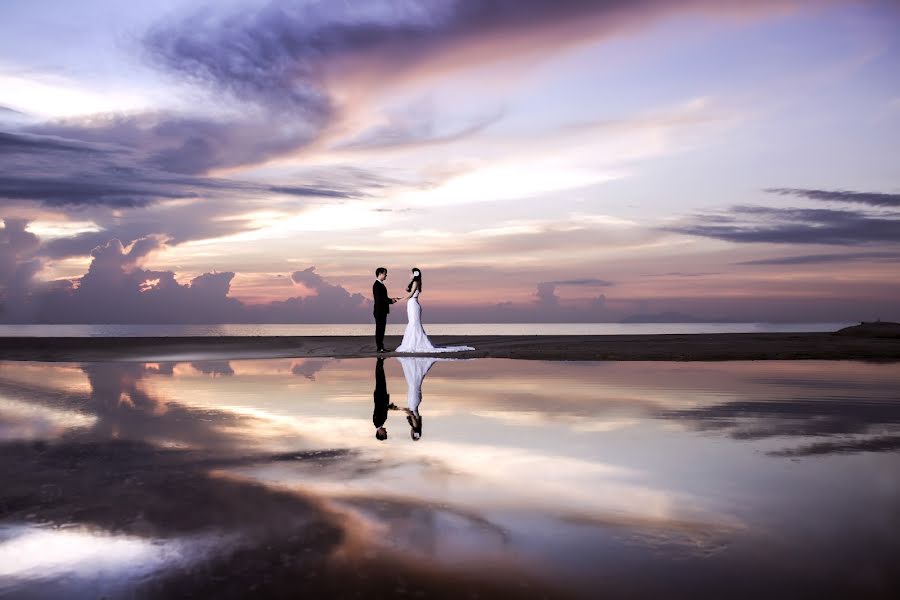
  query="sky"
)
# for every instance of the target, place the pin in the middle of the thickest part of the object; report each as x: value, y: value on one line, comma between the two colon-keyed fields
x: 568, y: 161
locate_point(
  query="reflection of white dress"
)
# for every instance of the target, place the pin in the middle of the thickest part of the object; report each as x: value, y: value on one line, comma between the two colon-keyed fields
x: 414, y: 338
x: 415, y: 369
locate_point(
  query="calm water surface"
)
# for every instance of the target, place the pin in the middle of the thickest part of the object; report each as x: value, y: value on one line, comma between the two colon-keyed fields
x: 498, y: 478
x: 397, y: 325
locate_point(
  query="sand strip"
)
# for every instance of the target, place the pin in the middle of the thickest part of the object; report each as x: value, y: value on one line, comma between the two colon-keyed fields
x: 674, y: 347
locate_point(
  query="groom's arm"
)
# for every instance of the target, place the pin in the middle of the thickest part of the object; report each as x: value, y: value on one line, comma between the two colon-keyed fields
x: 381, y: 294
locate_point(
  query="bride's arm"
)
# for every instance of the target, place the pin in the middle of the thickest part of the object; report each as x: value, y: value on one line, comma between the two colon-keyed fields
x: 412, y: 290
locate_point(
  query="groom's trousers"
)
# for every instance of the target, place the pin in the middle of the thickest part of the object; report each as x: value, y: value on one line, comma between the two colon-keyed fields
x: 380, y: 324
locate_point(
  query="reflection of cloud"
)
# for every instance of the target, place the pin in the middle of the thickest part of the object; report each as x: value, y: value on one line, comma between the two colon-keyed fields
x: 213, y: 367
x: 794, y: 417
x: 308, y: 367
x: 881, y: 443
x: 87, y: 554
x: 27, y: 421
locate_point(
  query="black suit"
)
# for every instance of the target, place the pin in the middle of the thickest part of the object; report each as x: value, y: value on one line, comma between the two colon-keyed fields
x: 382, y: 308
x: 382, y: 398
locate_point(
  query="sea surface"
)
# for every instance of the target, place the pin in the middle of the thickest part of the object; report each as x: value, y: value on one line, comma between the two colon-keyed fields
x: 366, y: 329
x: 498, y: 478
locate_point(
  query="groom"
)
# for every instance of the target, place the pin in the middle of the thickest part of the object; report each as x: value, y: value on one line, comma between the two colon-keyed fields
x: 382, y: 306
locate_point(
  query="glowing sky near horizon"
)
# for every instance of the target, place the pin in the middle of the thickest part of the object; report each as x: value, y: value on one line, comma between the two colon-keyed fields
x: 540, y: 161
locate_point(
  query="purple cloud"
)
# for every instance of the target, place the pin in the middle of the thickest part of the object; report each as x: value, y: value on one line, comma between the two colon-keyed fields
x: 118, y: 289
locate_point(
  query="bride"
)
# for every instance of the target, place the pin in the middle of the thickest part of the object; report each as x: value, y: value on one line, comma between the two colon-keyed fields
x: 415, y: 339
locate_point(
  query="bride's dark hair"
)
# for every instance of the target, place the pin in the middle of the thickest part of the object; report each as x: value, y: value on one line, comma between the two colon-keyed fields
x: 414, y: 279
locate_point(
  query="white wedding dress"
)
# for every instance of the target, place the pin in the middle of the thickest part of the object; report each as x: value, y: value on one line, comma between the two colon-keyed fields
x: 414, y: 338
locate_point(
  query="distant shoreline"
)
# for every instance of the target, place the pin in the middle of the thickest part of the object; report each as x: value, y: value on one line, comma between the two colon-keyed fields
x: 651, y: 347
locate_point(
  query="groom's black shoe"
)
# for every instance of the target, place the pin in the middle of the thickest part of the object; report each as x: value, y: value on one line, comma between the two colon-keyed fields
x: 382, y: 350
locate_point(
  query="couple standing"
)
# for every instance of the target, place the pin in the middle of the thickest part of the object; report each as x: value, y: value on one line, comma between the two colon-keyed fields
x: 414, y: 339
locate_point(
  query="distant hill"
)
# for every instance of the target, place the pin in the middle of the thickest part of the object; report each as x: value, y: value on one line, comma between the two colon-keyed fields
x: 885, y: 329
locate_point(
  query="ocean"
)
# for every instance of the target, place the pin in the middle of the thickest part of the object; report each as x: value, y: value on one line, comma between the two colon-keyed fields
x: 366, y: 329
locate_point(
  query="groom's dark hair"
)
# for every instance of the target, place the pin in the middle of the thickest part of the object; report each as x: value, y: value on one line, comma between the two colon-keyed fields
x: 379, y: 271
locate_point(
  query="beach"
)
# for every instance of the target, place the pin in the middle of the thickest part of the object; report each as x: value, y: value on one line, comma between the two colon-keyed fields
x: 674, y: 347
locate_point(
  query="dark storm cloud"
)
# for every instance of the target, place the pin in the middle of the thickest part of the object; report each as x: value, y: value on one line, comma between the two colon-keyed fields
x: 810, y: 259
x: 278, y: 54
x: 89, y: 189
x: 284, y: 55
x: 99, y: 173
x: 56, y: 170
x: 760, y: 224
x: 188, y: 145
x: 869, y: 198
x: 18, y: 142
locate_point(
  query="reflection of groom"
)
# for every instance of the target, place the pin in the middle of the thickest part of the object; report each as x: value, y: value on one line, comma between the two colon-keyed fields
x: 382, y: 306
x: 382, y: 401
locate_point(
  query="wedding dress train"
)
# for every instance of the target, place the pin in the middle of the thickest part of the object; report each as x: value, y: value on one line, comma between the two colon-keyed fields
x: 415, y: 370
x: 414, y: 338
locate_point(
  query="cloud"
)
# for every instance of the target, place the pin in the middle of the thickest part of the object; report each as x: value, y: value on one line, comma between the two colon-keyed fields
x: 404, y: 131
x: 550, y: 306
x: 808, y: 259
x: 584, y: 282
x: 546, y: 295
x: 99, y: 176
x: 280, y: 54
x: 117, y: 288
x: 19, y: 142
x: 549, y: 303
x: 329, y: 304
x: 760, y: 224
x: 89, y: 165
x: 317, y: 61
x: 868, y: 198
x: 187, y: 144
x: 764, y: 224
x: 18, y: 264
x: 683, y: 274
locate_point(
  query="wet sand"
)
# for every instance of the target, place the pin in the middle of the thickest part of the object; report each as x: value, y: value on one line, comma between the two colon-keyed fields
x: 670, y: 347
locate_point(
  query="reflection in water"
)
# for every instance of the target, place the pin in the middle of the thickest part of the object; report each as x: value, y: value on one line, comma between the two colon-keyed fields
x: 536, y: 479
x: 414, y: 370
x: 382, y: 401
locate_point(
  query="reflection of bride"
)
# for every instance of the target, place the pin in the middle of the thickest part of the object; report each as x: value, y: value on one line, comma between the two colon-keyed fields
x: 414, y: 338
x: 415, y: 369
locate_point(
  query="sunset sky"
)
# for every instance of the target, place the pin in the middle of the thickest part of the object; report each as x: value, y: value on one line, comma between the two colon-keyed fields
x: 566, y: 160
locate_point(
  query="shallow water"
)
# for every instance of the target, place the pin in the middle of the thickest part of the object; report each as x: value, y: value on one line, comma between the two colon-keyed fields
x: 640, y: 479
